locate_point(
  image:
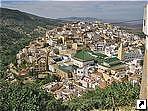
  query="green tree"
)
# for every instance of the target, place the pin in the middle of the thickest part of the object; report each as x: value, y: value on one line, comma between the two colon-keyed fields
x: 29, y: 97
x: 114, y: 96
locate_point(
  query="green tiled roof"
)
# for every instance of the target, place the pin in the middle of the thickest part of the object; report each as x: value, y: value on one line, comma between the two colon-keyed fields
x: 100, y: 57
x: 67, y: 69
x: 112, y: 60
x: 113, y: 65
x: 83, y: 55
x: 118, y: 64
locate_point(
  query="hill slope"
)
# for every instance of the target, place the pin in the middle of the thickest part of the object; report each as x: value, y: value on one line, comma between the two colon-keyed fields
x: 17, y: 29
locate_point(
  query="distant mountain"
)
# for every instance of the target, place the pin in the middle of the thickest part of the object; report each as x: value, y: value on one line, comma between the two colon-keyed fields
x: 136, y: 24
x: 79, y: 19
x: 17, y: 29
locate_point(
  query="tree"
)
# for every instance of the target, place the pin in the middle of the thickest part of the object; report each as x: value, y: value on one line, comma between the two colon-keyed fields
x: 26, y: 97
x: 114, y: 96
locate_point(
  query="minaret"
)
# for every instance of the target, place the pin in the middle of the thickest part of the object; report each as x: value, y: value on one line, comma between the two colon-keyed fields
x: 120, y: 52
x: 144, y: 82
x: 145, y: 20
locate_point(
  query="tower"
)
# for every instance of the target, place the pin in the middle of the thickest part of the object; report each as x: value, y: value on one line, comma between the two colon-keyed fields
x: 144, y: 83
x: 120, y: 52
x: 145, y: 20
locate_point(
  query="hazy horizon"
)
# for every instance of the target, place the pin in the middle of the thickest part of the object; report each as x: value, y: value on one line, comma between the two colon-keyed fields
x: 104, y: 10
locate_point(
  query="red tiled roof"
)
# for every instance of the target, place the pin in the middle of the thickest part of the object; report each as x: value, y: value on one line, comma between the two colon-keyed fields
x: 23, y: 72
x: 102, y: 84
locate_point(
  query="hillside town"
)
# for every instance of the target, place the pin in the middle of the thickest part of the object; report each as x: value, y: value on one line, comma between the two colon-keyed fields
x: 84, y: 55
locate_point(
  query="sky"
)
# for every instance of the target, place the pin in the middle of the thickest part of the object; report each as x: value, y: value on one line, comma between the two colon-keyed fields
x: 113, y: 11
x: 74, y: 0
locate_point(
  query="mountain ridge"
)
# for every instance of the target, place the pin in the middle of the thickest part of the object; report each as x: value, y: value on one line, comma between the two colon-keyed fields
x: 17, y: 30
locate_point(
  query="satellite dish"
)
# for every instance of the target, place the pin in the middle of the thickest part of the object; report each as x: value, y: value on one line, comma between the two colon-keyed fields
x: 145, y: 20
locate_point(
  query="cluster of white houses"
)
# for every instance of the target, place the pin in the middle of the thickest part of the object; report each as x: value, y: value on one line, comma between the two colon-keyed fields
x: 90, y: 53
